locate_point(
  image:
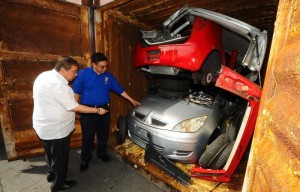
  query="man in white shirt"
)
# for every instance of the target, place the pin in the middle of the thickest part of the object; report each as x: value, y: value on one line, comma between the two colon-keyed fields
x: 54, y: 117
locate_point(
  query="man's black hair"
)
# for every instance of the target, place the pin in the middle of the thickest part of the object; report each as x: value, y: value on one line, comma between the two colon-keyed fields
x: 97, y: 57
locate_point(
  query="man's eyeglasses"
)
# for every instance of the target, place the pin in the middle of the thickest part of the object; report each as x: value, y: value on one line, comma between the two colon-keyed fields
x: 104, y: 67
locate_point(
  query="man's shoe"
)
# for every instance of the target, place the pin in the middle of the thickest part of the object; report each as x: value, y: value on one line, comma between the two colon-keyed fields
x: 83, y: 166
x: 49, y: 177
x: 104, y: 158
x: 67, y: 185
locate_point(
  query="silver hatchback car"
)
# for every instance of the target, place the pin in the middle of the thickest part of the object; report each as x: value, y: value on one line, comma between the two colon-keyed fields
x: 180, y: 128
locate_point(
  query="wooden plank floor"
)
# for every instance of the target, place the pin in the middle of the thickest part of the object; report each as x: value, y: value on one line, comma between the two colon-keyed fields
x: 133, y: 155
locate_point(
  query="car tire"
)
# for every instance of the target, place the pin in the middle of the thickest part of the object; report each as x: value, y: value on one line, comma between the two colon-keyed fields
x: 179, y: 85
x: 172, y: 94
x: 210, y: 68
x: 207, y: 78
x: 230, y: 129
x: 211, y: 153
x: 121, y: 130
x: 222, y: 157
x: 150, y: 76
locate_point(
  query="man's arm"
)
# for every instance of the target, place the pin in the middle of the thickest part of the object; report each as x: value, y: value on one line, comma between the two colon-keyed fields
x: 86, y: 109
x: 126, y: 96
x: 76, y: 96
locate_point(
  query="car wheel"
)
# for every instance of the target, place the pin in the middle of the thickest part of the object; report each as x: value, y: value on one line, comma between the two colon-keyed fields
x: 178, y: 85
x: 121, y: 130
x: 222, y: 157
x: 206, y: 78
x: 213, y: 150
x: 172, y: 94
x: 210, y: 68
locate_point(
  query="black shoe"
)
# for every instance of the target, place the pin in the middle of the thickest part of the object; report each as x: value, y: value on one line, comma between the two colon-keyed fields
x: 67, y: 185
x: 104, y: 158
x: 83, y: 166
x: 49, y: 177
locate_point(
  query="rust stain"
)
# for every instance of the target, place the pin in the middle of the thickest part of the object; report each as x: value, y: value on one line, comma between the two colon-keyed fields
x: 128, y: 19
x: 276, y: 143
x: 258, y: 13
x: 25, y: 34
x: 28, y: 47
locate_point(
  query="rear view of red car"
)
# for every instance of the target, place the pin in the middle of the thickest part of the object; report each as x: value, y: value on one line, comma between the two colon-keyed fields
x: 199, y: 40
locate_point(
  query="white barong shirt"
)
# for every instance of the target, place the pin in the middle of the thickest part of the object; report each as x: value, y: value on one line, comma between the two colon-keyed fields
x: 53, y: 101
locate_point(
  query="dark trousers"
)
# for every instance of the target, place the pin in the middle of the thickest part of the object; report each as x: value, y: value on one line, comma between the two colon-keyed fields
x: 92, y: 124
x: 57, y: 156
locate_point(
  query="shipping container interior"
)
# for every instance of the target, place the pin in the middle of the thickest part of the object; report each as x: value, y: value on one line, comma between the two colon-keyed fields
x: 33, y: 34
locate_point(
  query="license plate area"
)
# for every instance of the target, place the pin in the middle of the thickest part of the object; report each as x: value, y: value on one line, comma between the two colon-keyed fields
x: 153, y: 55
x: 143, y: 132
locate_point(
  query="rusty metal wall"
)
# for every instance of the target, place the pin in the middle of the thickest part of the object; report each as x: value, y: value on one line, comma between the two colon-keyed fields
x: 118, y: 39
x: 259, y: 13
x: 33, y: 34
x: 274, y: 163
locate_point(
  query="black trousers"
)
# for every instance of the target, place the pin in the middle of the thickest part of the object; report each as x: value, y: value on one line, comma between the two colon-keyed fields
x: 91, y: 125
x: 57, y: 157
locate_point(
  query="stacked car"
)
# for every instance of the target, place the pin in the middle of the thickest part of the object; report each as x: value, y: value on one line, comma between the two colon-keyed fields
x: 203, y: 104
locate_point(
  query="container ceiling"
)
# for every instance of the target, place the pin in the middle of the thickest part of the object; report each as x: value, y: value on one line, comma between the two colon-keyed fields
x: 151, y: 14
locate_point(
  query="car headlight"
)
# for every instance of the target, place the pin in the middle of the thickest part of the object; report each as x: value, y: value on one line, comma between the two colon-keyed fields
x: 190, y: 125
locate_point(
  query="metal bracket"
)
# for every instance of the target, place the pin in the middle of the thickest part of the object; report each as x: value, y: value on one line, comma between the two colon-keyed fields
x: 155, y: 157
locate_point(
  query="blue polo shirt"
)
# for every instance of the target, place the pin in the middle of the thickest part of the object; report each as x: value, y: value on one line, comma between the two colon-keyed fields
x: 93, y: 88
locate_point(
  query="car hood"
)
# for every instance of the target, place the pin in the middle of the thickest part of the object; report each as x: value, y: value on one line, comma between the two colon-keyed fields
x: 165, y: 113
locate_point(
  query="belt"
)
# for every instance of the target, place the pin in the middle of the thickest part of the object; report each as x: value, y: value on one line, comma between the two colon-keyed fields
x: 105, y: 106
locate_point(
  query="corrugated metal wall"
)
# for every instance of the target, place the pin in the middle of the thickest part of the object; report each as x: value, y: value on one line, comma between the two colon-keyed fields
x: 33, y: 34
x: 274, y: 163
x: 118, y: 39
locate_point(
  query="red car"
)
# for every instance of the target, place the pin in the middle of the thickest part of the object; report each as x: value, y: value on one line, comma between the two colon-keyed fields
x: 205, y: 37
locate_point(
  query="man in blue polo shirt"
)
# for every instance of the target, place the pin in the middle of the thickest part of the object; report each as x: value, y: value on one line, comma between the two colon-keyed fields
x: 92, y: 86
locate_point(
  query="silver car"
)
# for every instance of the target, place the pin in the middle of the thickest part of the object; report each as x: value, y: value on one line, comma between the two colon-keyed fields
x: 180, y: 128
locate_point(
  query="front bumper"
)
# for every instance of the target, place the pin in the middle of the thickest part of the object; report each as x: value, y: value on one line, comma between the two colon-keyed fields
x: 181, y: 152
x: 182, y: 147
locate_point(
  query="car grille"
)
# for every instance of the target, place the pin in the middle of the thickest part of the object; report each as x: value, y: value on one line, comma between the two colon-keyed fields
x: 142, y: 142
x: 182, y: 153
x: 153, y: 121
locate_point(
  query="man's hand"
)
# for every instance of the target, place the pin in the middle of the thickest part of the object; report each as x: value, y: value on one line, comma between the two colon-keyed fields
x: 102, y: 111
x: 134, y: 102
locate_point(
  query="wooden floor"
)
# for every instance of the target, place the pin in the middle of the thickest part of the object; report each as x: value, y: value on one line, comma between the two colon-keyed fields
x: 133, y: 155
